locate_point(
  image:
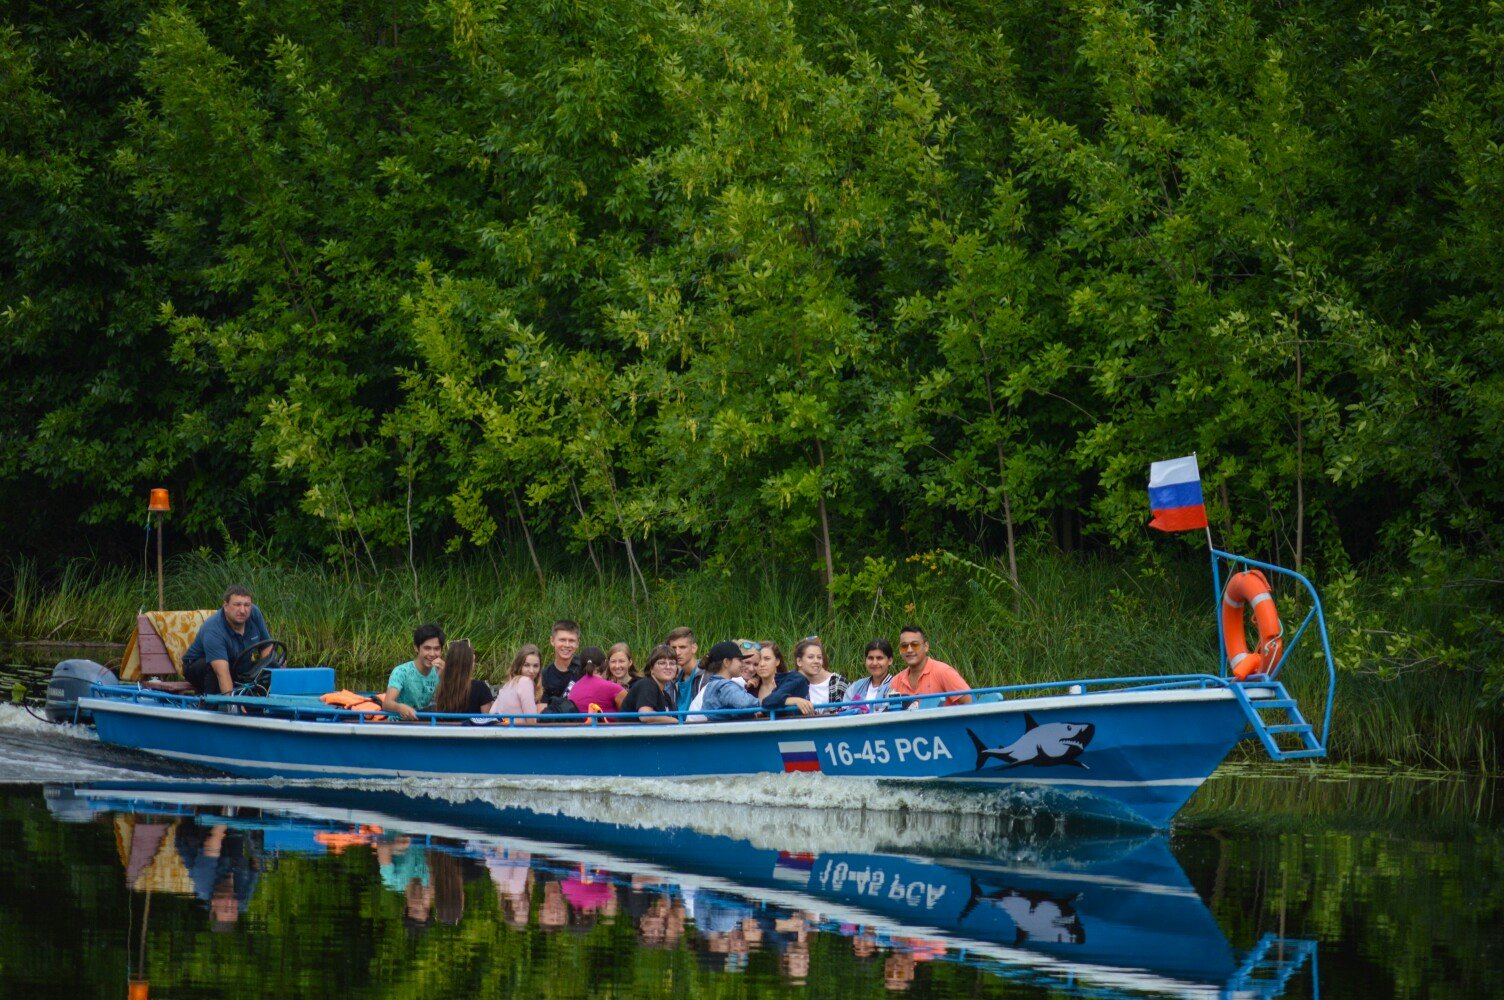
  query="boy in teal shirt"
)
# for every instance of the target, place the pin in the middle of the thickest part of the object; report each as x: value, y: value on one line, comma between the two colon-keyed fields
x: 410, y: 688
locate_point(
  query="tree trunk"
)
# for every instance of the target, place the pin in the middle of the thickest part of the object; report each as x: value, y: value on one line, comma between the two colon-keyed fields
x: 527, y: 536
x: 412, y: 564
x: 830, y: 565
x: 1002, y: 479
x: 579, y: 505
x: 1002, y: 474
x: 355, y: 522
x: 626, y: 540
x: 1300, y: 452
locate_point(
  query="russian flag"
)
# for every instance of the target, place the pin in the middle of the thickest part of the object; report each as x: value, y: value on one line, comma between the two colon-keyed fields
x: 793, y: 867
x: 1175, y: 495
x: 799, y: 756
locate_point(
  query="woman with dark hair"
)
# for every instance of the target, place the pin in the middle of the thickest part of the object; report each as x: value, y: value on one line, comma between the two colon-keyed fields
x: 592, y: 692
x: 656, y: 692
x: 775, y: 685
x: 874, y: 686
x: 459, y: 690
x: 770, y: 658
x: 448, y: 885
x: 723, y: 689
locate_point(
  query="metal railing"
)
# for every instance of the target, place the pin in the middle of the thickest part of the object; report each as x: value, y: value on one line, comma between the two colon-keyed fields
x: 1316, y: 614
x: 298, y: 707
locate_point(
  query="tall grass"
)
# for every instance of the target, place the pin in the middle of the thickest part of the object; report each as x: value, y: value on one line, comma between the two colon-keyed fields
x: 80, y: 603
x: 1074, y: 618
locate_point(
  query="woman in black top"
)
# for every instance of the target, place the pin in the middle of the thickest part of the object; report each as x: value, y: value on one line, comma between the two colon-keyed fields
x: 655, y: 692
x: 459, y: 691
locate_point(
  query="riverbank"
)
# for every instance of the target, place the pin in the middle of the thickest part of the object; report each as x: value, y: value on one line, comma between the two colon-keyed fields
x: 1075, y: 618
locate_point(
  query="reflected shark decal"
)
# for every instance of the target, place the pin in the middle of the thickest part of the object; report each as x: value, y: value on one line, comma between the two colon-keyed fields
x: 1036, y: 916
x: 1046, y: 746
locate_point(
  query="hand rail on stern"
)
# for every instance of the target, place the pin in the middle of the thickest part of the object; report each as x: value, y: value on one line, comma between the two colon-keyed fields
x: 1312, y: 744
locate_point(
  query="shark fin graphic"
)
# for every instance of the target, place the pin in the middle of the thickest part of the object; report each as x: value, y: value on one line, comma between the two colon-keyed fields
x: 971, y: 904
x: 976, y: 741
x: 1029, y: 722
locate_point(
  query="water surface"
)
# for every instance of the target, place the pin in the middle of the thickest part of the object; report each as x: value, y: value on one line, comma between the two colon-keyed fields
x: 1277, y: 882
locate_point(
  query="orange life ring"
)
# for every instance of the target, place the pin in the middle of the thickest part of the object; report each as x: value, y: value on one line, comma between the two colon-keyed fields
x: 1245, y: 589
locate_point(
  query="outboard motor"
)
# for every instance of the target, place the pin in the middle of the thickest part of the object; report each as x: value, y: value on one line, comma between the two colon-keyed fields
x: 67, y: 806
x: 69, y: 682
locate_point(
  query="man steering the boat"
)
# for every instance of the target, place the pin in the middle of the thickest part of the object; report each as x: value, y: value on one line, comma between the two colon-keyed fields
x: 224, y: 653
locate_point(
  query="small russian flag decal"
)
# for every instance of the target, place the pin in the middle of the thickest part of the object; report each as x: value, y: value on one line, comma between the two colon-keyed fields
x: 799, y: 756
x: 792, y: 867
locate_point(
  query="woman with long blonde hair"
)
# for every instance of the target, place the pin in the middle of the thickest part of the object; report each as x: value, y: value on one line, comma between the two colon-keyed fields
x: 519, y: 695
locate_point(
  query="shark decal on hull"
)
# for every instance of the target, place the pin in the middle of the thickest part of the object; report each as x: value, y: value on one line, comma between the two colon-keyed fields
x: 1049, y: 745
x: 1036, y: 916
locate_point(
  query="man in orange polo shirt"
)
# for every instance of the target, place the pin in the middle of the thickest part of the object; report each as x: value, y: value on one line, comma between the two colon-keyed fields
x: 924, y: 675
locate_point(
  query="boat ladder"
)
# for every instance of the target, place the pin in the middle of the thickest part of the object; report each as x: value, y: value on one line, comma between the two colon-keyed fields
x: 1268, y: 729
x: 1270, y: 966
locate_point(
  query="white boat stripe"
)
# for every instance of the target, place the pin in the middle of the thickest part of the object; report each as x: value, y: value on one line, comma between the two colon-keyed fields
x: 1085, y: 782
x: 387, y: 772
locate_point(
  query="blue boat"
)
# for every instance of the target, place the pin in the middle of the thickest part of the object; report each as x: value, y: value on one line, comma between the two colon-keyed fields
x: 1097, y: 916
x: 1129, y: 750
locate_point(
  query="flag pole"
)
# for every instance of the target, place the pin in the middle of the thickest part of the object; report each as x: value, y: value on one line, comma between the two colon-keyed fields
x: 1211, y: 553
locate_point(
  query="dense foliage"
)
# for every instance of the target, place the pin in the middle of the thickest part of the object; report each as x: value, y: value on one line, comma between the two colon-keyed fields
x: 827, y: 283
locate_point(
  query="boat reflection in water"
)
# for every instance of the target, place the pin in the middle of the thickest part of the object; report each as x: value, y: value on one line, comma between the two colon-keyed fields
x: 1098, y: 915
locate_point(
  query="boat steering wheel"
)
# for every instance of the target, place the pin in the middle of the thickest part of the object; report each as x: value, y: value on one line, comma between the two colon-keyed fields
x: 276, y: 656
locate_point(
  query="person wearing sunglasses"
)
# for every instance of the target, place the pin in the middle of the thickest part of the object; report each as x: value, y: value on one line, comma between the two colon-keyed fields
x: 751, y: 652
x: 925, y: 675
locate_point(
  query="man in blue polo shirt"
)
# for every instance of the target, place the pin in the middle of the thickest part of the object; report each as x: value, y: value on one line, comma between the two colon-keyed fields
x: 222, y: 639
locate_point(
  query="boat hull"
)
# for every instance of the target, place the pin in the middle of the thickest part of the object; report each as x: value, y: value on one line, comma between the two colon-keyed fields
x: 1132, y: 756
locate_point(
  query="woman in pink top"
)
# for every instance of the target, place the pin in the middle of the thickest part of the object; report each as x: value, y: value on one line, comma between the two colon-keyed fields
x: 519, y: 695
x: 592, y: 691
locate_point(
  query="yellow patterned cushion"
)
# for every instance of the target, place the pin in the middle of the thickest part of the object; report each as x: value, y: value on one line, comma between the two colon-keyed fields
x: 177, y: 629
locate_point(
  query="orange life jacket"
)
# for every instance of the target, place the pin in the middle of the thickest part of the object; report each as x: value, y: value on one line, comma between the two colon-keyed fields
x: 354, y: 702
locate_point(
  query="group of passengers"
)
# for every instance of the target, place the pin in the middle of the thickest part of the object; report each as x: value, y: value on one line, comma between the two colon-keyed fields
x: 738, y: 678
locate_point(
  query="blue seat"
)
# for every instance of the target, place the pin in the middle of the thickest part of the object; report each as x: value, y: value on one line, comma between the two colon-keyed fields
x: 301, y: 680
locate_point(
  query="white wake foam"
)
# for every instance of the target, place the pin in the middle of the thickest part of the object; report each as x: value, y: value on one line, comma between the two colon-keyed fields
x: 796, y: 812
x: 14, y: 718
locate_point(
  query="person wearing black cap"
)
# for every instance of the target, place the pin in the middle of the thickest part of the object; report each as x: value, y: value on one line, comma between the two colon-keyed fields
x: 720, y: 691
